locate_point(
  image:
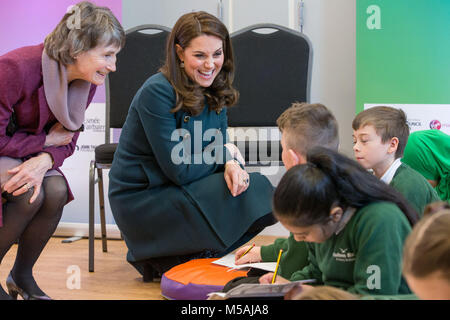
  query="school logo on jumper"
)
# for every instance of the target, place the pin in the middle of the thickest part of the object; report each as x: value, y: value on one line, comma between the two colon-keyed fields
x: 435, y: 124
x: 344, y: 255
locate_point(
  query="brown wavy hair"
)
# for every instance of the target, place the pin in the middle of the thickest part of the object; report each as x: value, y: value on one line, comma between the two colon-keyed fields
x: 190, y: 95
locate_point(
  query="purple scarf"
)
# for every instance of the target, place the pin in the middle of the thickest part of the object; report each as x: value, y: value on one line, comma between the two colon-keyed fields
x: 67, y: 102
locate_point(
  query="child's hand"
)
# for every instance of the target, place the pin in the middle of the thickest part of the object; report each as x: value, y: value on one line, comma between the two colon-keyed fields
x: 254, y: 255
x: 267, y: 279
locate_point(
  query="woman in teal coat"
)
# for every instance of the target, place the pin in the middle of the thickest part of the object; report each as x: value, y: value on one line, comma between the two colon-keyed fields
x: 177, y: 189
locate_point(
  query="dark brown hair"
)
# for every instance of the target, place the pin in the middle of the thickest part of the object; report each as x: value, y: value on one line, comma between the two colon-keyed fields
x: 190, y: 95
x: 388, y: 122
x: 427, y: 248
x: 308, y: 125
x: 83, y: 28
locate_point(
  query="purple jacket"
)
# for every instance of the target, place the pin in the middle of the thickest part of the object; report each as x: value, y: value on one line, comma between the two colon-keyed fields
x: 22, y: 90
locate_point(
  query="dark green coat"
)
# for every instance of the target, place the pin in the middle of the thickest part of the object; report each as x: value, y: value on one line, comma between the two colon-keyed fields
x: 414, y: 187
x: 164, y: 207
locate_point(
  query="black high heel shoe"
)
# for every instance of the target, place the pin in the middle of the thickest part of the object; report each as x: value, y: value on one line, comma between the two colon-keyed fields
x: 4, y: 295
x: 14, y: 290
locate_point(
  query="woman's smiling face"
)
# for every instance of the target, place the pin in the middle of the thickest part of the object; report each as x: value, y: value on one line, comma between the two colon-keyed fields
x: 203, y: 59
x: 94, y: 65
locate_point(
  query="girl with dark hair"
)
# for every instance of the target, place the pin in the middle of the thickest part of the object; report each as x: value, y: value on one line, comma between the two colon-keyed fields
x: 178, y: 190
x: 354, y: 224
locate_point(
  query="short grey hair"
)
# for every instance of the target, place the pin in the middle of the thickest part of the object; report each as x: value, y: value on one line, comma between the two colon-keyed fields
x: 93, y: 26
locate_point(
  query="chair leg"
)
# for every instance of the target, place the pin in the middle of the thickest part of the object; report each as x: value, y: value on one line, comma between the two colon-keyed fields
x: 102, y: 208
x: 91, y: 215
x: 148, y: 274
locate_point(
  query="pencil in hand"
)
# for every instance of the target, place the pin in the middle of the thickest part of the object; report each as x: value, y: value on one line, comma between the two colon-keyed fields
x: 276, y: 268
x: 246, y: 251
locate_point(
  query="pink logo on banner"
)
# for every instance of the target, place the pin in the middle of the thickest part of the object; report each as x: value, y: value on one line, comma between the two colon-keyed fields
x: 435, y: 124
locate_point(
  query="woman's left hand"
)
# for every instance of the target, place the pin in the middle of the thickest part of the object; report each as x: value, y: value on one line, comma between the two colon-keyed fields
x: 236, y: 178
x: 27, y: 175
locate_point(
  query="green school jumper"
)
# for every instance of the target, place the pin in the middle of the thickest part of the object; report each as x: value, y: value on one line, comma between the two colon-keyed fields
x: 427, y: 152
x: 364, y: 257
x: 294, y: 257
x: 414, y: 187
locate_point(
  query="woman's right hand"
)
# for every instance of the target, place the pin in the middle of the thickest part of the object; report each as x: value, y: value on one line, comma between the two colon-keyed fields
x: 58, y: 136
x: 254, y: 255
x: 28, y: 175
x: 236, y: 178
x: 235, y: 152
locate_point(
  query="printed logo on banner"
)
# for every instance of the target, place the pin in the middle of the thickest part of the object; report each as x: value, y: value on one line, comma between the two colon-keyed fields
x: 414, y: 123
x: 435, y: 124
x: 91, y: 125
x: 422, y: 116
x: 94, y: 125
x: 86, y: 147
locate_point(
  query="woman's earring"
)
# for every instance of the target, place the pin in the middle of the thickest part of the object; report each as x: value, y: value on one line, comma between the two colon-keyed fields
x: 182, y: 65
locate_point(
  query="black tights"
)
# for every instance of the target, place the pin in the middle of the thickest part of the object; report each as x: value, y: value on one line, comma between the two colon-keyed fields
x: 32, y: 225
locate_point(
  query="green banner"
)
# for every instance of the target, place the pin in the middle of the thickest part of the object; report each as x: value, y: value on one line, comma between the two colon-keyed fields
x: 402, y: 52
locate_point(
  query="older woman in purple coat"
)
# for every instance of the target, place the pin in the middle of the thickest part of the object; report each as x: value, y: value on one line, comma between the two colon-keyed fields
x: 44, y: 92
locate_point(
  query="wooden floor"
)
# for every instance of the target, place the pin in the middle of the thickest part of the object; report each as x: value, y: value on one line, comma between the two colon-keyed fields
x: 114, y: 279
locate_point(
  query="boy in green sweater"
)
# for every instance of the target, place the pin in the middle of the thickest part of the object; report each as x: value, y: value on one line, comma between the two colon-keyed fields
x: 427, y: 152
x: 380, y: 135
x: 303, y: 126
x: 354, y: 225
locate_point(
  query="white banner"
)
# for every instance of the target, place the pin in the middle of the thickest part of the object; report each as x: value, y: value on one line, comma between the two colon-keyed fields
x: 422, y: 116
x: 76, y: 168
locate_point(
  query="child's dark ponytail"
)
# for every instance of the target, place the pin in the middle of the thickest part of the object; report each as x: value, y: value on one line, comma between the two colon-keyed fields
x: 307, y: 193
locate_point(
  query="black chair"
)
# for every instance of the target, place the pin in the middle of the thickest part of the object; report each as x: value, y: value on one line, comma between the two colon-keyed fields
x: 272, y: 71
x: 142, y: 56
